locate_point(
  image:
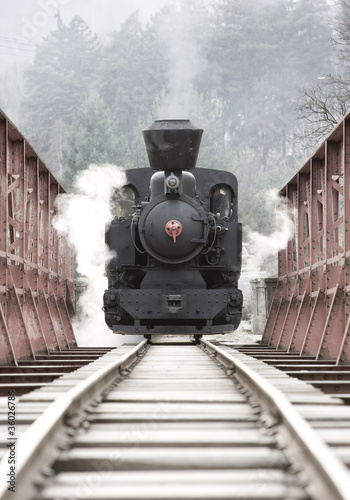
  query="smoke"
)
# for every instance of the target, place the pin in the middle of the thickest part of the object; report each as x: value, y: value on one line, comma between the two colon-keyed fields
x: 179, y: 34
x: 82, y: 217
x: 262, y: 246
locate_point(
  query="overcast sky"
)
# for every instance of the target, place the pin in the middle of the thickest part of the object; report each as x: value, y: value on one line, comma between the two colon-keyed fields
x: 24, y: 22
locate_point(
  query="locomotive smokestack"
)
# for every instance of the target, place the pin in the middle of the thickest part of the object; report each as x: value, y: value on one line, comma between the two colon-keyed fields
x: 172, y: 144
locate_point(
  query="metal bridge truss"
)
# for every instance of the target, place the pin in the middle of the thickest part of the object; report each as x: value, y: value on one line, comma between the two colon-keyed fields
x: 36, y: 265
x: 311, y: 308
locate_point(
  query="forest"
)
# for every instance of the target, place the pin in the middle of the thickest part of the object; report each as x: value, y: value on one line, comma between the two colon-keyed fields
x: 266, y: 80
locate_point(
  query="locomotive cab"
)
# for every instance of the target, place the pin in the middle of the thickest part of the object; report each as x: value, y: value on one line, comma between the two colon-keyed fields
x: 178, y: 251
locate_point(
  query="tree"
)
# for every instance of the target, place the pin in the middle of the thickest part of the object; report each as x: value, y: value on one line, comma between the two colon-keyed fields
x: 93, y: 138
x: 254, y: 182
x: 322, y: 106
x: 259, y: 55
x: 131, y: 75
x: 61, y: 77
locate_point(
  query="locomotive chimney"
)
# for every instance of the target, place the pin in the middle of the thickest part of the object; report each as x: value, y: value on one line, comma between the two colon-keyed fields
x: 172, y: 144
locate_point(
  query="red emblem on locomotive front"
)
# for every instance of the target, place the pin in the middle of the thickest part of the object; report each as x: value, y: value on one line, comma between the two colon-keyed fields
x: 173, y: 228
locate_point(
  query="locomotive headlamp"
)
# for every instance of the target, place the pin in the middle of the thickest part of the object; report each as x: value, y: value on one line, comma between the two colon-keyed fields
x: 172, y: 182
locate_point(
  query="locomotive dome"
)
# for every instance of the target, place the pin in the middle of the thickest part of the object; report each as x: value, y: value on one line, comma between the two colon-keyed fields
x: 172, y: 144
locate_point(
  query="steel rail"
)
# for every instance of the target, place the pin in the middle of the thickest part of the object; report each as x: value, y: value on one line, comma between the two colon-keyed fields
x: 38, y: 446
x: 327, y: 476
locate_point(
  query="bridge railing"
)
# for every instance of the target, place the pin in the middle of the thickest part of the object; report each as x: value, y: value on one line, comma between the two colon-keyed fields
x: 36, y: 264
x: 311, y: 308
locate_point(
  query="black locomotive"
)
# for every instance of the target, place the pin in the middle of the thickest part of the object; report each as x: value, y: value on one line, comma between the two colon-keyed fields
x: 177, y: 245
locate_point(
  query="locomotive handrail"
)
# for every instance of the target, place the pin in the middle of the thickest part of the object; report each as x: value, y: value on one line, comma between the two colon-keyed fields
x: 330, y: 477
x: 214, y: 238
x: 37, y: 447
x: 133, y: 237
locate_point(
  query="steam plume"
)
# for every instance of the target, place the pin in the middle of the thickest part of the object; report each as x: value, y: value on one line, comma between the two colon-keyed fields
x: 82, y: 218
x: 185, y: 60
x: 262, y: 246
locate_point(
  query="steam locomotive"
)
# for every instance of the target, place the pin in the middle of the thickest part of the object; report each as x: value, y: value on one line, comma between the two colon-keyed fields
x: 176, y: 242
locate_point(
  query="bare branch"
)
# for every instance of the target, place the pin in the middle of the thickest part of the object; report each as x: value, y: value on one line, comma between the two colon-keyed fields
x: 321, y: 107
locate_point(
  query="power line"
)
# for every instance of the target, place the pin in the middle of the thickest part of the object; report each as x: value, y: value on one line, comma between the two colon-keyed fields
x: 17, y: 44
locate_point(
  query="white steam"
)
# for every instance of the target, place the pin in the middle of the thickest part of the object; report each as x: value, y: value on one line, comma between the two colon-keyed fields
x: 262, y: 246
x: 82, y: 217
x: 185, y: 62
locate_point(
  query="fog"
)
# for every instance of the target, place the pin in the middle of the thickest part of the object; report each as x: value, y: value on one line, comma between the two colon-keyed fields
x: 236, y: 77
x: 24, y: 23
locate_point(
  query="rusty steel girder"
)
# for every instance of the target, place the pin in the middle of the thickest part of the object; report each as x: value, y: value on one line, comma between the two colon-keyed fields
x: 36, y: 264
x: 310, y: 313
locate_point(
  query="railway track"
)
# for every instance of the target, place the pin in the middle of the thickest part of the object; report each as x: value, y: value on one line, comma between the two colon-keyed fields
x: 27, y: 375
x: 325, y: 374
x: 180, y: 421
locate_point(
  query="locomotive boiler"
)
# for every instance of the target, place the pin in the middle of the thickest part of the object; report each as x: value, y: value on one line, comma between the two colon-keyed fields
x: 176, y: 242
